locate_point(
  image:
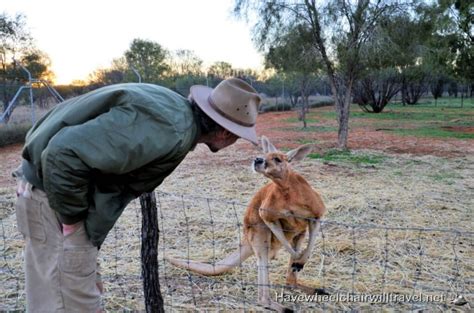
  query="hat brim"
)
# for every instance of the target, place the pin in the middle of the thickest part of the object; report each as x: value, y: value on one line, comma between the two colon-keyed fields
x: 201, y: 95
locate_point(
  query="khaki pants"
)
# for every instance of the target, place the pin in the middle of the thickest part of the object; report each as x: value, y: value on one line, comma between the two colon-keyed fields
x: 60, y: 270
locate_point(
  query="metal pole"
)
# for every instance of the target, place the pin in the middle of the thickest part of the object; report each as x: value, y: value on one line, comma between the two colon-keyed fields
x: 53, y: 91
x: 8, y: 112
x: 30, y: 85
x: 11, y: 106
x: 136, y: 73
x: 33, y: 116
x: 24, y: 68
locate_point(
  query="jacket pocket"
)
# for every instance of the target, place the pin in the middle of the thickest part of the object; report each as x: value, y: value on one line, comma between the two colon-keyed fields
x: 29, y: 218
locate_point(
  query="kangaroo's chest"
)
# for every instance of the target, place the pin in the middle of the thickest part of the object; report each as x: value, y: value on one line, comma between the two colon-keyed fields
x: 295, y: 218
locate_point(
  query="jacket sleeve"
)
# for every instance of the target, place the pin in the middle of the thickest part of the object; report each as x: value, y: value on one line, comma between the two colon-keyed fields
x: 116, y: 142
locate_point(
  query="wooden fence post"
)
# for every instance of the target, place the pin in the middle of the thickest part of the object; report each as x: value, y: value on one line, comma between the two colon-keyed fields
x: 149, y: 254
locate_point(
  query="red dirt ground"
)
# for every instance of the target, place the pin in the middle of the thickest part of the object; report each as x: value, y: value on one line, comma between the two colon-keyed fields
x: 273, y: 126
x: 461, y: 129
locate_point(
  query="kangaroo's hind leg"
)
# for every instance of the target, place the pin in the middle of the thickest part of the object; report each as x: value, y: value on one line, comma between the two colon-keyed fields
x: 260, y: 241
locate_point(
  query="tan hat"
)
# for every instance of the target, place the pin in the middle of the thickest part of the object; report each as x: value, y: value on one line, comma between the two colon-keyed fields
x: 233, y: 104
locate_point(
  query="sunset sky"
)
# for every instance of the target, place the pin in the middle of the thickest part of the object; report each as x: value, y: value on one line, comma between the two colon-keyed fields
x: 81, y: 36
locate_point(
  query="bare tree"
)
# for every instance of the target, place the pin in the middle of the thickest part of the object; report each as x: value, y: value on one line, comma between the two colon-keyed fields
x: 185, y: 62
x: 338, y: 30
x: 292, y: 55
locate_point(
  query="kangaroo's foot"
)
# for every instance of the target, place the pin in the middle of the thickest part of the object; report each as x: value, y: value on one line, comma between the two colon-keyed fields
x: 275, y: 306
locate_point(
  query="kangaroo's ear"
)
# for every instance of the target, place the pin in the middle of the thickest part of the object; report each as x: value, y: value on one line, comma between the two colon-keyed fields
x: 299, y: 153
x: 267, y: 146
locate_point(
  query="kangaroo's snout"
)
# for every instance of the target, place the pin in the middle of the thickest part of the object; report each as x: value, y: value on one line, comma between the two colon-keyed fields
x: 258, y: 161
x: 259, y: 165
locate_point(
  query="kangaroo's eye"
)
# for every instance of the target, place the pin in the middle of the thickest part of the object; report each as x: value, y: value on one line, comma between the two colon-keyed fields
x: 277, y: 160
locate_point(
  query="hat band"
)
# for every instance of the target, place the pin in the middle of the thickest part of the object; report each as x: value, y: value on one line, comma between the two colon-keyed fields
x: 227, y: 116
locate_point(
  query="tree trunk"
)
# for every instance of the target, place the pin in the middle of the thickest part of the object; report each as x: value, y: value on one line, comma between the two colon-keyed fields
x: 149, y: 254
x: 302, y: 115
x: 303, y: 105
x: 343, y: 104
x: 343, y: 120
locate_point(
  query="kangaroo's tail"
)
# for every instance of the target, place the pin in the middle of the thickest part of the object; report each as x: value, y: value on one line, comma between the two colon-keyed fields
x: 231, y: 261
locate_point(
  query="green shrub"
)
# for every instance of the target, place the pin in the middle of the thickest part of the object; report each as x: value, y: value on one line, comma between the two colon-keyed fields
x: 13, y: 133
x: 267, y: 107
x: 321, y: 101
x: 314, y: 102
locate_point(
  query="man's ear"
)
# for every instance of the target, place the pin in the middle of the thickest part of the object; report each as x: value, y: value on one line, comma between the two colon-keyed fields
x: 299, y: 153
x: 227, y: 134
x: 267, y: 146
x: 223, y: 134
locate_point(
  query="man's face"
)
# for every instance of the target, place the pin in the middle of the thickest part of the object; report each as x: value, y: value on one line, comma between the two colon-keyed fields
x: 221, y: 140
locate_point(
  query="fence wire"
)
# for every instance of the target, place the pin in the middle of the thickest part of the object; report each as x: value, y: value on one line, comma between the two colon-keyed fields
x: 361, y: 267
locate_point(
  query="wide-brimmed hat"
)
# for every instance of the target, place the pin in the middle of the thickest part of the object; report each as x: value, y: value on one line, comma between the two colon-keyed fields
x: 233, y: 104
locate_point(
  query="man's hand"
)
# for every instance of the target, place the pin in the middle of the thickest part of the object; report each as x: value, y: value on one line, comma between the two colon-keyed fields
x: 69, y: 229
x: 21, y: 189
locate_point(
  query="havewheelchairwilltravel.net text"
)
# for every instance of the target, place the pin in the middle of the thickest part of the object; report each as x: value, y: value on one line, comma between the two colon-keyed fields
x: 365, y: 298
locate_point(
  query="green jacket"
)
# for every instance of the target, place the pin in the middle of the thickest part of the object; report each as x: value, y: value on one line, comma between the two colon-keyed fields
x: 94, y: 153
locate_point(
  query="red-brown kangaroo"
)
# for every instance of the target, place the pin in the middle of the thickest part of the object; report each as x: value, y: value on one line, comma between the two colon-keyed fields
x: 278, y: 216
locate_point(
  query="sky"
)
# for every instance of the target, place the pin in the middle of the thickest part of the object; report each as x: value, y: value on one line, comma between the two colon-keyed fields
x: 82, y: 36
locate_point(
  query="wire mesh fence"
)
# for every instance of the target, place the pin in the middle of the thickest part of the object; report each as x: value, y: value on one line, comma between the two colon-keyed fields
x: 361, y: 267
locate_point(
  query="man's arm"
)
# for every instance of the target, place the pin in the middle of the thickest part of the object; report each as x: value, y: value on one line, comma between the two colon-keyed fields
x: 115, y: 142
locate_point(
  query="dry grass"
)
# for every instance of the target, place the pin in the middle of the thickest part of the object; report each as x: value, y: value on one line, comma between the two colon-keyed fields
x: 400, y: 191
x: 20, y: 122
x: 22, y: 114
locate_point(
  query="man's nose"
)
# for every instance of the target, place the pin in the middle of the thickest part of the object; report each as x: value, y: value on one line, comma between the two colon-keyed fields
x: 259, y: 161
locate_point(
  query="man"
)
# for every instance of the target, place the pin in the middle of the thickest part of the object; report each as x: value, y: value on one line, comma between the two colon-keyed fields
x: 90, y: 156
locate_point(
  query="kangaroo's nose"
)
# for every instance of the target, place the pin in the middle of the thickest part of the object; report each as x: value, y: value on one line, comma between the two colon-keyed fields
x: 259, y: 161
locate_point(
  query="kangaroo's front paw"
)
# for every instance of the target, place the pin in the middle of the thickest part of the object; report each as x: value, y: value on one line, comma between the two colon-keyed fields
x: 296, y: 266
x: 321, y: 291
x: 298, y: 263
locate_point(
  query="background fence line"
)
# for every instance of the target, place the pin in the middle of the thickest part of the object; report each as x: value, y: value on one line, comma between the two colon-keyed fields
x: 349, y: 259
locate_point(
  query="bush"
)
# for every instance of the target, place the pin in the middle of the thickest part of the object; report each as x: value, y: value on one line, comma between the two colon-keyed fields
x: 267, y: 107
x: 13, y: 133
x: 315, y: 102
x: 321, y: 101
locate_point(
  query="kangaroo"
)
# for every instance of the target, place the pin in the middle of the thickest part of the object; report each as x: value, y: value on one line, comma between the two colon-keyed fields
x: 278, y: 216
